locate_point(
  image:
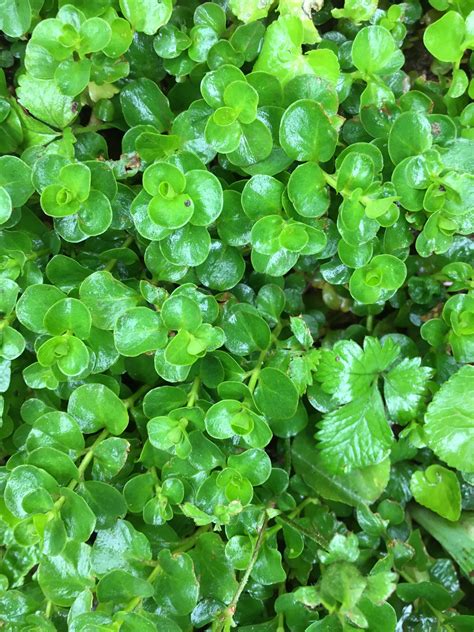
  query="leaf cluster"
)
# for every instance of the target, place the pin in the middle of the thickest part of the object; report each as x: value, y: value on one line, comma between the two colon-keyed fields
x: 236, y: 315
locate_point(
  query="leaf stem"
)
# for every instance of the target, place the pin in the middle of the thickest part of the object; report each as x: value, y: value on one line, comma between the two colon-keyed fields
x: 312, y: 535
x: 261, y: 359
x: 256, y: 371
x: 331, y: 180
x: 190, y: 541
x: 287, y: 455
x: 49, y: 609
x: 136, y: 601
x: 112, y: 263
x: 226, y: 617
x: 7, y: 321
x: 289, y: 519
x: 82, y: 467
x: 132, y: 399
x: 185, y: 545
x: 92, y: 128
x: 370, y: 323
x: 193, y: 393
x: 297, y: 510
x: 281, y: 616
x: 38, y: 254
x: 88, y: 458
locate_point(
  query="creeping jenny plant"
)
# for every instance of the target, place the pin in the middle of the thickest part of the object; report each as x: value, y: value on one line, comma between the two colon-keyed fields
x: 236, y: 315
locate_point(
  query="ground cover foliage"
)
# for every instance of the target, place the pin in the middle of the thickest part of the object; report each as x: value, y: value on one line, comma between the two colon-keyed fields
x: 236, y: 315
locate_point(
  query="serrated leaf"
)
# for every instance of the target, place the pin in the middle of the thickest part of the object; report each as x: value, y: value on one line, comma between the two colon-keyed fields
x: 355, y: 435
x: 380, y: 586
x: 362, y: 486
x: 449, y: 421
x: 405, y: 389
x: 348, y: 371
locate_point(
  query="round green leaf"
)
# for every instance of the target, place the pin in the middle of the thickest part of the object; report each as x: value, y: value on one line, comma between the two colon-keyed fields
x: 243, y: 98
x: 276, y: 264
x: 143, y: 103
x: 139, y: 330
x: 307, y: 190
x: 171, y: 212
x: 94, y: 406
x: 189, y: 245
x: 8, y: 295
x: 160, y: 267
x: 76, y: 178
x: 58, y: 201
x: 223, y: 131
x: 12, y: 344
x: 245, y: 330
x: 378, y: 280
x: 374, y: 51
x: 254, y: 464
x: 58, y: 430
x: 170, y: 372
x: 294, y: 237
x: 255, y: 144
x: 5, y: 206
x: 206, y: 193
x: 15, y: 18
x: 106, y: 298
x: 163, y: 178
x: 262, y: 195
x: 68, y: 315
x: 444, y: 38
x: 438, y: 489
x: 163, y: 400
x: 63, y: 577
x: 120, y: 39
x: 176, y: 587
x: 181, y: 312
x: 306, y: 132
x: 355, y: 172
x: 146, y: 16
x: 34, y: 303
x: 94, y: 34
x: 223, y: 268
x: 69, y: 353
x: 409, y: 136
x: 276, y: 395
x: 215, y: 82
x: 169, y: 435
x: 233, y: 225
x: 59, y: 465
x: 15, y: 178
x: 224, y: 417
x: 72, y: 76
x: 118, y: 586
x: 170, y: 42
x: 25, y: 481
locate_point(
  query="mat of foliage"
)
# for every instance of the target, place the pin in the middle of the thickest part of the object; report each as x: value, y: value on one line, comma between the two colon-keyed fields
x: 236, y: 315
